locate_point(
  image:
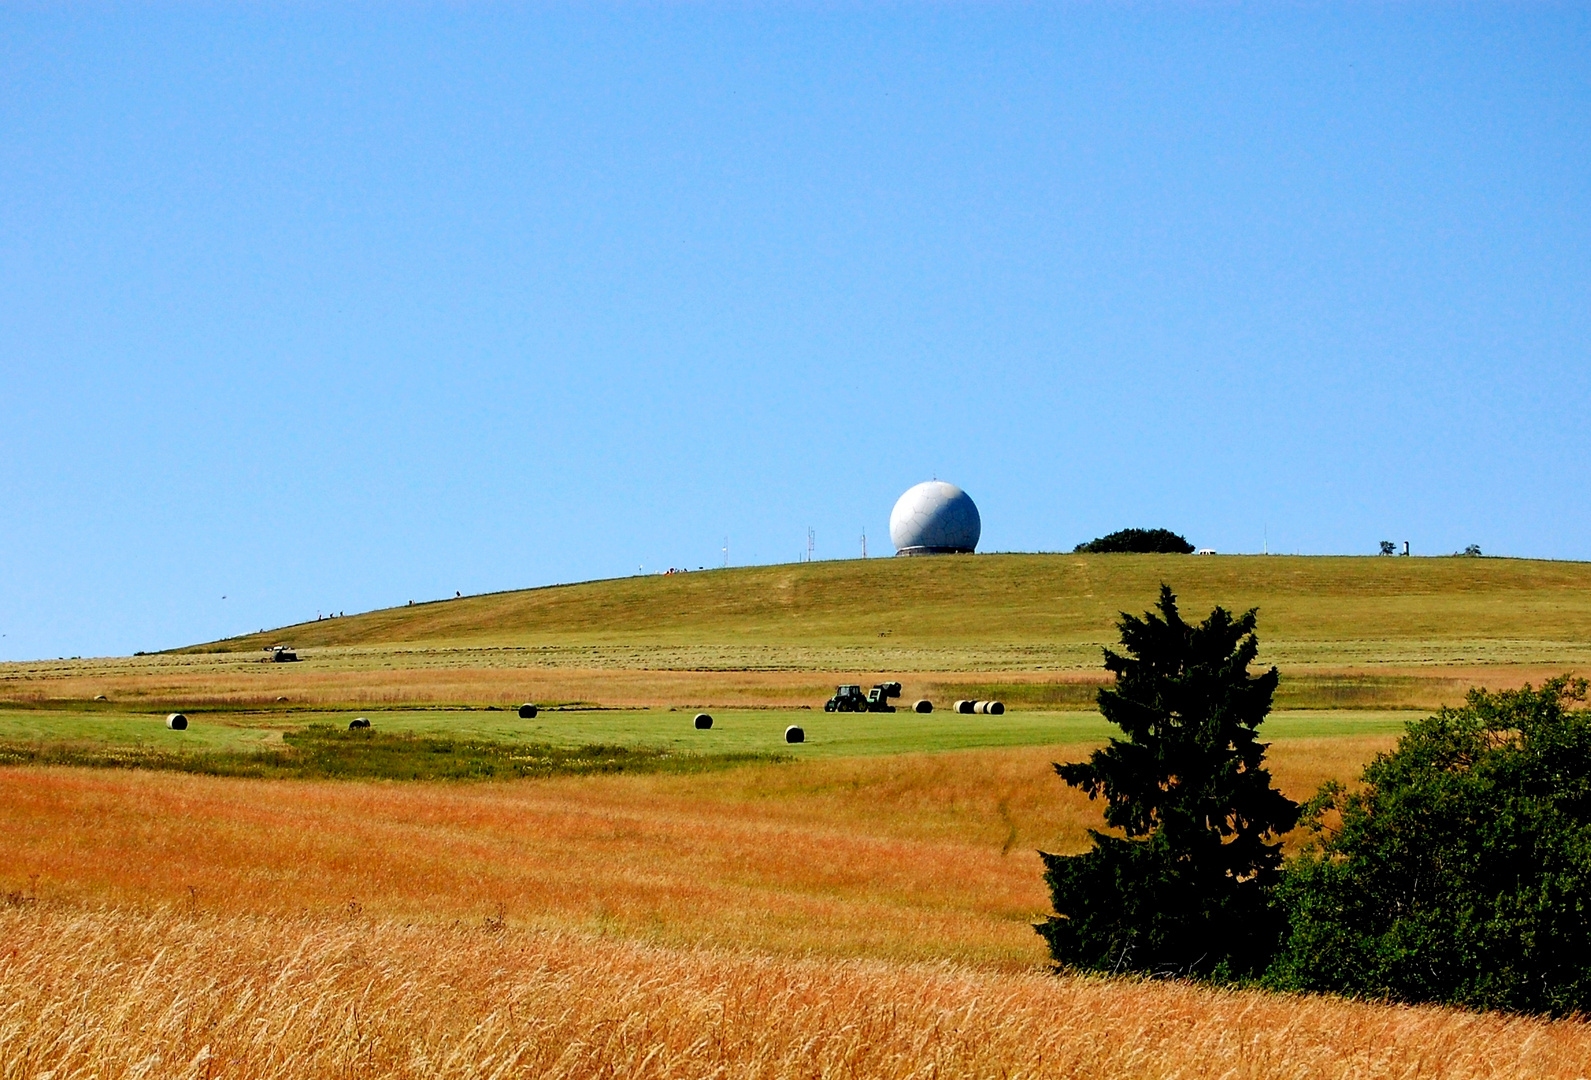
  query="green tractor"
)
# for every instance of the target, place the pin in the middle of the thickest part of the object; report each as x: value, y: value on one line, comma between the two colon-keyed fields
x: 849, y: 698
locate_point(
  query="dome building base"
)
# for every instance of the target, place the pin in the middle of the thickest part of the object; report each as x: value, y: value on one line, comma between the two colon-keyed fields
x: 919, y: 550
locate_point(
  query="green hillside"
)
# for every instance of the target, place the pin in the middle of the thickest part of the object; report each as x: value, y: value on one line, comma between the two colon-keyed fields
x: 1313, y: 610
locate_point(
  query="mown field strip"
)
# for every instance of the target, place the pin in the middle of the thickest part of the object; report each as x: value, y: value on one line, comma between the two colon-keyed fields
x: 734, y: 731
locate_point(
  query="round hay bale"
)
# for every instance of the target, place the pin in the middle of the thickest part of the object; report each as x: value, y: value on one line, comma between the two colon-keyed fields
x: 923, y: 706
x: 281, y: 699
x: 357, y: 723
x: 703, y: 721
x: 963, y: 707
x: 177, y: 722
x: 996, y: 708
x: 101, y: 697
x: 793, y: 734
x: 527, y: 711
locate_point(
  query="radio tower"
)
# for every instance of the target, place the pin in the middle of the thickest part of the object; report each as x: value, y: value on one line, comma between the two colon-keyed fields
x: 812, y: 543
x: 864, y: 543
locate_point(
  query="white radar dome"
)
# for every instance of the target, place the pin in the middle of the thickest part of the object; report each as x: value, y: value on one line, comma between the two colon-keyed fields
x: 935, y: 518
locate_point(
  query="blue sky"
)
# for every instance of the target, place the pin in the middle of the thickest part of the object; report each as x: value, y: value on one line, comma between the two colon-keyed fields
x: 324, y: 309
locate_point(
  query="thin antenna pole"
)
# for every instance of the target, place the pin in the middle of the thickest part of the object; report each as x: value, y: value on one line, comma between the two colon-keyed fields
x: 726, y: 552
x: 864, y: 543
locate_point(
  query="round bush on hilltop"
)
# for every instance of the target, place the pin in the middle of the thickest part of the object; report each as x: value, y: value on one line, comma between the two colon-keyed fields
x: 1138, y: 542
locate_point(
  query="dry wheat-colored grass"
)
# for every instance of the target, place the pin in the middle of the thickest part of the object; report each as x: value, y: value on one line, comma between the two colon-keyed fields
x: 121, y: 994
x: 910, y: 856
x: 861, y: 917
x: 684, y: 864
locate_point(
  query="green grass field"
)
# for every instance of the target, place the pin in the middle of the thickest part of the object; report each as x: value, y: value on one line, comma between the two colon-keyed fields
x: 736, y: 732
x: 1359, y: 636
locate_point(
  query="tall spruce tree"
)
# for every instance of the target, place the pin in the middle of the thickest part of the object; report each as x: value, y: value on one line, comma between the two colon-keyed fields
x: 1189, y: 889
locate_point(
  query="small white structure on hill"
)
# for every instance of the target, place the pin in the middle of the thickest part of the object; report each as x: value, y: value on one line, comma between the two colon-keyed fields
x: 935, y: 518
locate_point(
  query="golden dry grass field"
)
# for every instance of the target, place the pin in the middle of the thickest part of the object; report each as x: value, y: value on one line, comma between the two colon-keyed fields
x: 904, y: 856
x: 97, y: 994
x: 838, y: 917
x: 859, y: 908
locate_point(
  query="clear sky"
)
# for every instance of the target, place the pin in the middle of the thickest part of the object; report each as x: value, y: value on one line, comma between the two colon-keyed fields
x: 326, y: 309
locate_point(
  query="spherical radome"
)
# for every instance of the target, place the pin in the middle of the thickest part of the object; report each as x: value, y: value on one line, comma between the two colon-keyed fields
x: 934, y: 518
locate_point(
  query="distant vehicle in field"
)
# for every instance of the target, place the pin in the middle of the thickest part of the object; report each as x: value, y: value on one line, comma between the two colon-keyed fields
x: 849, y: 698
x: 281, y: 654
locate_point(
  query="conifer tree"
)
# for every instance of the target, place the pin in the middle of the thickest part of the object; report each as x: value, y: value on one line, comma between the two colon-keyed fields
x: 1188, y: 889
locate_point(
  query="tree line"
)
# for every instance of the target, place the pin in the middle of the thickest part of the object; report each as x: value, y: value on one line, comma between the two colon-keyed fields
x: 1458, y: 870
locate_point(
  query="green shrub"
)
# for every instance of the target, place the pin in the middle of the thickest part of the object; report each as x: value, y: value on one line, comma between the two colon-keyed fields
x: 1461, y: 871
x: 1138, y: 542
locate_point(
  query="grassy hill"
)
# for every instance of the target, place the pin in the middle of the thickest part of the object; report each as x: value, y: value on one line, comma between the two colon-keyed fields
x: 1313, y: 610
x: 1347, y: 633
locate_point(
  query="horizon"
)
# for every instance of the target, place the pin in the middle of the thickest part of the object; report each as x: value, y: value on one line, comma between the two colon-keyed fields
x: 667, y: 571
x: 327, y: 309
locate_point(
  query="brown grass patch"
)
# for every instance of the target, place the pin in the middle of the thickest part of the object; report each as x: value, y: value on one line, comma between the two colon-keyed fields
x: 799, y: 867
x: 219, y: 684
x: 908, y: 857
